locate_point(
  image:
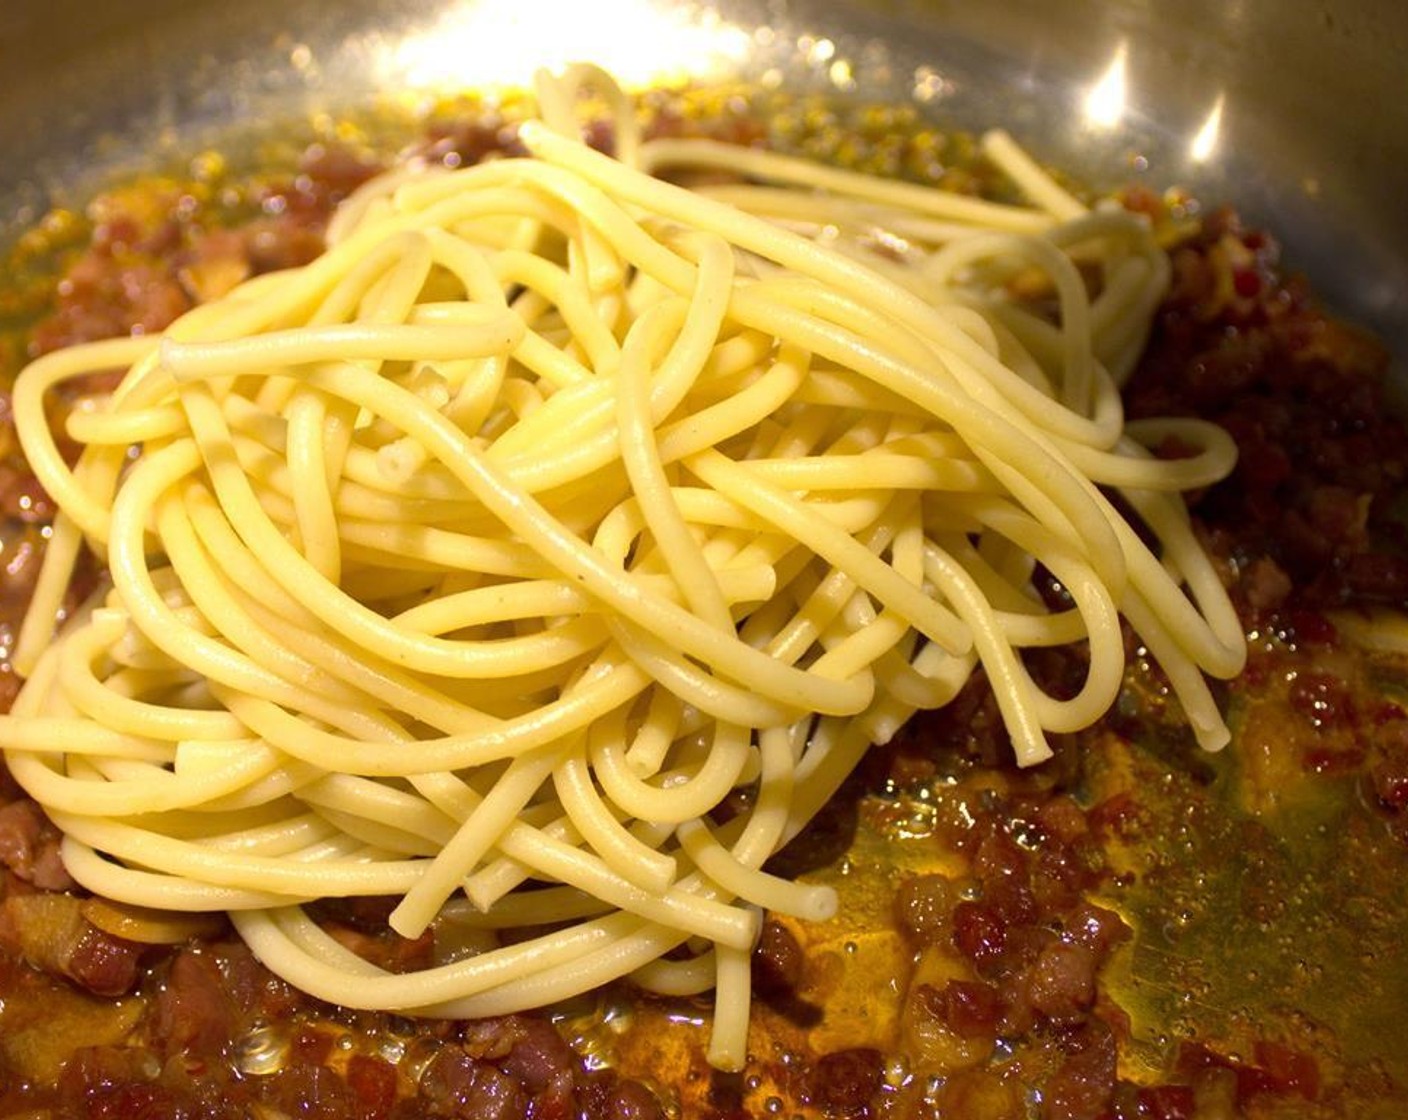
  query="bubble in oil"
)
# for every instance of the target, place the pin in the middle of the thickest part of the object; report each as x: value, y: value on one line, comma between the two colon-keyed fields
x: 392, y: 1049
x: 897, y: 1073
x: 262, y: 1051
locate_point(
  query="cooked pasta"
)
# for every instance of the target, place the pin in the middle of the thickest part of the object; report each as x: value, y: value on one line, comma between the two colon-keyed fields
x: 483, y: 560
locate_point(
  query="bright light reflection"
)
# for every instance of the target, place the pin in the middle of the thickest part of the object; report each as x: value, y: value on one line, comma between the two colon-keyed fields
x: 1105, y: 103
x: 1204, y: 144
x: 502, y: 42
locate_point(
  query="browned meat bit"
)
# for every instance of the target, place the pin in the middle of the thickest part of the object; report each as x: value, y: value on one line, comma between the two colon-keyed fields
x: 10, y: 682
x: 1082, y: 1088
x: 462, y: 142
x: 1275, y: 1070
x: 954, y: 1027
x: 49, y: 931
x: 971, y: 1008
x: 454, y: 1084
x: 294, y: 213
x: 106, y: 295
x: 217, y: 262
x: 924, y: 909
x: 537, y: 1055
x: 328, y: 173
x: 113, y: 1083
x: 193, y: 1012
x: 29, y: 846
x: 844, y: 1082
x: 606, y: 1098
x: 373, y: 1081
x: 1265, y: 585
x: 384, y: 948
x: 1388, y: 777
x: 778, y: 961
x: 1061, y: 982
x: 123, y: 283
x: 274, y: 244
x: 977, y: 1092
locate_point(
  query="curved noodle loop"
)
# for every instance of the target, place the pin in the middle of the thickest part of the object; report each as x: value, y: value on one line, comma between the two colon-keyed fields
x: 480, y: 561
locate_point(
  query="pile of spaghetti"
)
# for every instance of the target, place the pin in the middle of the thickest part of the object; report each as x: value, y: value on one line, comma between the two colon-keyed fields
x: 480, y: 562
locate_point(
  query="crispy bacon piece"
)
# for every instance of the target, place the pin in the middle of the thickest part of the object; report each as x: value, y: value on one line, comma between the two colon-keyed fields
x: 49, y: 931
x: 29, y: 846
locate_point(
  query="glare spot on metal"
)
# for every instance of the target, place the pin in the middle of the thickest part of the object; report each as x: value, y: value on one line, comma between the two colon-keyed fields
x: 1108, y: 98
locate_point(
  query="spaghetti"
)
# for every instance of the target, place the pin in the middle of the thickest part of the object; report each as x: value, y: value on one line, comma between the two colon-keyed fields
x: 555, y: 506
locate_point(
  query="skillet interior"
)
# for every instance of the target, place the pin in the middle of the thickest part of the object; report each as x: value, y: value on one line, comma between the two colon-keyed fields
x: 1312, y: 141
